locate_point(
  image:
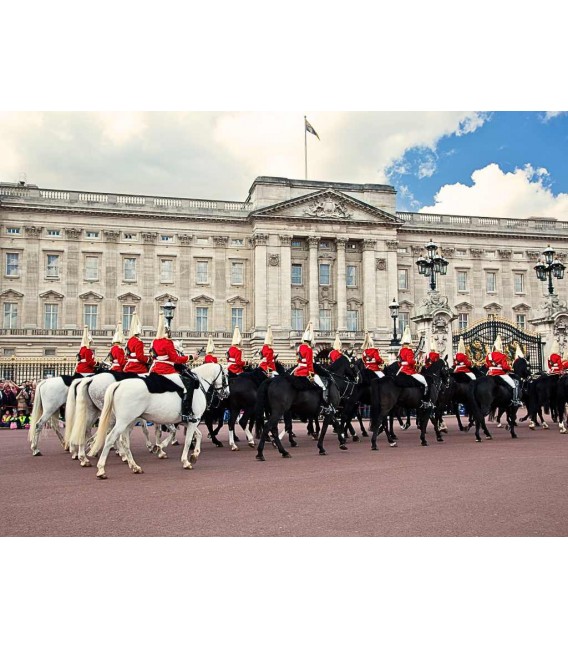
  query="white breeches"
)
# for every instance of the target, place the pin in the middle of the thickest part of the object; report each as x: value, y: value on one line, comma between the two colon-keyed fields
x: 471, y: 375
x: 507, y: 380
x: 274, y: 373
x: 317, y: 379
x: 175, y: 378
x: 379, y: 373
x: 420, y: 378
x: 86, y: 373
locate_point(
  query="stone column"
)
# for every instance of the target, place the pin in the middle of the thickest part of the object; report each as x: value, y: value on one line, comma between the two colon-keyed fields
x: 30, y: 261
x: 72, y: 318
x: 369, y: 298
x: 221, y: 319
x: 185, y: 283
x: 313, y: 277
x: 392, y: 274
x: 259, y: 241
x: 285, y: 282
x: 341, y: 285
x: 110, y: 262
x: 149, y: 315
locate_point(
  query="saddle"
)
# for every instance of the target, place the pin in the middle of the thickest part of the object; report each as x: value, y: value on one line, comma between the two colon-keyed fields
x: 68, y: 378
x: 158, y: 384
x: 301, y: 382
x: 122, y: 376
x: 406, y: 381
x: 462, y: 378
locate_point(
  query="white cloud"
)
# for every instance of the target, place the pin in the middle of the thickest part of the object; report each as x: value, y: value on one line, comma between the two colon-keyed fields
x: 518, y: 194
x: 427, y: 168
x: 551, y: 114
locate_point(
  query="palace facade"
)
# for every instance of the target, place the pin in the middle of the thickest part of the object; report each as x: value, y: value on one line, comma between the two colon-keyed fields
x: 293, y: 251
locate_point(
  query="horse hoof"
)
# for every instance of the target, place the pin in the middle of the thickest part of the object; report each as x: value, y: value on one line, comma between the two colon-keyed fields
x: 86, y: 463
x: 545, y: 425
x: 393, y: 444
x: 424, y: 443
x: 374, y: 448
x: 162, y: 456
x: 439, y: 439
x: 514, y: 436
x: 36, y: 454
x: 488, y: 437
x: 175, y: 443
x: 188, y: 466
x: 251, y: 444
x: 219, y: 444
x: 286, y: 455
x: 193, y: 458
x: 322, y: 452
x: 478, y: 440
x: 260, y: 458
x: 293, y: 444
x: 343, y: 447
x: 102, y: 476
x: 364, y: 434
x: 355, y: 438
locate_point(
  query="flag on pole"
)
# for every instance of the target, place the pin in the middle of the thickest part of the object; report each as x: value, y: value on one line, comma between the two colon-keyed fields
x: 310, y: 128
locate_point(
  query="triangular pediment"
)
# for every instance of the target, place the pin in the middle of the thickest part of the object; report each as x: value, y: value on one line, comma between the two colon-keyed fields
x: 129, y: 297
x: 492, y: 306
x: 464, y: 306
x: 10, y: 294
x: 237, y: 299
x: 327, y: 205
x: 51, y: 295
x: 521, y: 307
x: 90, y: 295
x: 202, y: 299
x: 165, y: 297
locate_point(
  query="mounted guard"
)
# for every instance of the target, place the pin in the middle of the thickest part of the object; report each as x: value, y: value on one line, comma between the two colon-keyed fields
x: 268, y: 359
x: 86, y: 364
x: 433, y: 355
x: 407, y: 364
x: 497, y: 365
x: 555, y: 360
x: 235, y: 355
x: 336, y: 352
x: 372, y: 356
x: 305, y: 365
x: 136, y: 360
x: 116, y: 355
x: 462, y: 363
x: 209, y: 358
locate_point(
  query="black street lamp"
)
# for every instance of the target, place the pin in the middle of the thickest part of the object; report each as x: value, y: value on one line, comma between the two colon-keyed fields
x: 433, y: 264
x: 394, y: 306
x: 549, y: 267
x: 168, y: 308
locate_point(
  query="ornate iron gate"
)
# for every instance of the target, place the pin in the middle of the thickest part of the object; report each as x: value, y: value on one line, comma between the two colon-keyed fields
x: 480, y: 336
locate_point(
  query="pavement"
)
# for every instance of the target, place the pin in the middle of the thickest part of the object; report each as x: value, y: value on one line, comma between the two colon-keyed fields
x: 499, y: 487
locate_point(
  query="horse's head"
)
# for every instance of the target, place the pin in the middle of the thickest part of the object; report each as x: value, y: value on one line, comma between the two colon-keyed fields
x: 221, y: 383
x: 521, y: 367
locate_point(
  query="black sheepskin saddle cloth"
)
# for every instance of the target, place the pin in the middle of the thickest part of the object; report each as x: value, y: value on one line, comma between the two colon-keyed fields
x: 68, y: 379
x: 158, y: 384
x: 301, y: 382
x: 122, y: 376
x: 403, y: 380
x: 461, y: 377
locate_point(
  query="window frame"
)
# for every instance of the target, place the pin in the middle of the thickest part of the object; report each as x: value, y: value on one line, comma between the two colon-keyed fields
x: 296, y: 266
x: 236, y: 281
x: 11, y: 313
x: 55, y: 311
x: 197, y: 272
x: 355, y: 282
x: 200, y: 313
x: 87, y: 319
x: 8, y: 254
x: 128, y: 279
x: 320, y: 265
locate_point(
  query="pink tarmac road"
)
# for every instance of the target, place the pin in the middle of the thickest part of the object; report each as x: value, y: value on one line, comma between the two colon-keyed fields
x: 503, y: 487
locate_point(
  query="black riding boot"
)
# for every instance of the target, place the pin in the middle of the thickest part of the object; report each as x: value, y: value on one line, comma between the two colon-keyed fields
x: 426, y: 403
x: 516, y: 401
x: 187, y: 415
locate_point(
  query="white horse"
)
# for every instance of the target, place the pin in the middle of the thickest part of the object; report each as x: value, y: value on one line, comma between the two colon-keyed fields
x: 50, y: 395
x: 84, y: 406
x: 129, y: 400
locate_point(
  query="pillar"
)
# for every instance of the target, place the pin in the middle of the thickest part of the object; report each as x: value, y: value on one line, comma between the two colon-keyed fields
x: 313, y: 294
x: 369, y: 298
x: 285, y: 282
x: 341, y: 285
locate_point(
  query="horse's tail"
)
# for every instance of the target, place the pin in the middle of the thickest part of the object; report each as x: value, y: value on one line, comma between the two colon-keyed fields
x: 105, y: 418
x: 78, y: 427
x: 37, y: 411
x: 261, y: 406
x: 70, y: 410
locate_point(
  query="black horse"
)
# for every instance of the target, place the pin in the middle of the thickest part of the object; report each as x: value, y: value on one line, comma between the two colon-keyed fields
x: 561, y: 401
x: 490, y: 394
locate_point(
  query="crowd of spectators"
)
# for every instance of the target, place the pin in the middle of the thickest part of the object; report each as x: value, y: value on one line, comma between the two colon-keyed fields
x: 16, y: 403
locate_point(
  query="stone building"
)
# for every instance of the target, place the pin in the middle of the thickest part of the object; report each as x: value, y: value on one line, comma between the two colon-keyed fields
x: 293, y: 251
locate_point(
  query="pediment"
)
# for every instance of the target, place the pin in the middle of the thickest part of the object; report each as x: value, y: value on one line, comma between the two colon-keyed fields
x: 90, y: 295
x: 129, y: 297
x: 298, y: 302
x: 406, y: 304
x: 492, y: 306
x: 521, y: 307
x: 464, y: 306
x: 165, y: 297
x: 237, y: 299
x: 327, y: 205
x: 202, y: 299
x: 10, y: 294
x: 51, y: 295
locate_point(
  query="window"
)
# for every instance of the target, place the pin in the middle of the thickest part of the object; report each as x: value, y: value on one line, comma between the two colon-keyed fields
x: 166, y: 270
x: 237, y: 242
x: 462, y: 280
x: 237, y: 318
x: 92, y: 268
x: 202, y: 273
x: 237, y: 272
x: 351, y: 246
x: 463, y: 319
x: 130, y: 236
x: 402, y: 322
x: 519, y: 282
x: 201, y: 240
x: 296, y: 243
x: 52, y: 266
x: 8, y: 351
x: 491, y: 282
x: 325, y: 319
x: 351, y: 276
x: 10, y: 315
x: 521, y: 320
x: 403, y: 278
x: 324, y: 245
x: 297, y: 319
x: 296, y: 274
x: 324, y: 274
x: 13, y: 230
x: 50, y: 316
x: 92, y: 234
x: 166, y: 238
x: 130, y: 269
x: 90, y: 317
x: 127, y: 313
x: 13, y: 264
x: 49, y: 351
x: 201, y: 318
x: 352, y: 320
x: 54, y: 233
x: 460, y: 252
x: 403, y: 250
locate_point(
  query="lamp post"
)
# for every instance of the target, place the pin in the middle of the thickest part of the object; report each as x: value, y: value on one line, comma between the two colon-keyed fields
x: 549, y: 267
x: 168, y: 309
x: 433, y: 264
x: 394, y: 306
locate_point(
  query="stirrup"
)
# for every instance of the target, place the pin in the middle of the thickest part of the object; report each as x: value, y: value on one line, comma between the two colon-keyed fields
x: 327, y: 409
x: 426, y: 404
x: 189, y: 419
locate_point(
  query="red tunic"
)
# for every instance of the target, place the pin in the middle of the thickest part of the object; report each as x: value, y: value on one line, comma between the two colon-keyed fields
x: 334, y: 354
x: 305, y: 361
x: 372, y: 359
x: 565, y: 365
x: 118, y: 358
x: 235, y: 358
x: 267, y: 360
x: 431, y: 358
x: 462, y: 363
x: 555, y: 364
x: 209, y: 358
x: 166, y: 356
x: 135, y: 358
x: 407, y: 361
x: 86, y: 362
x: 497, y: 364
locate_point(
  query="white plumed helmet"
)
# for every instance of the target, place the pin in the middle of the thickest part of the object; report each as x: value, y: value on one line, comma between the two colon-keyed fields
x: 406, y: 336
x: 308, y: 336
x: 368, y: 342
x: 118, y: 337
x: 135, y: 325
x: 237, y: 339
x: 337, y: 342
x: 269, y: 339
x: 86, y: 340
x: 210, y: 346
x: 161, y: 332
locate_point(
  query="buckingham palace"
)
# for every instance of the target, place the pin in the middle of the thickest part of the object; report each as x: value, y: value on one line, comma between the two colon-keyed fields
x: 335, y: 253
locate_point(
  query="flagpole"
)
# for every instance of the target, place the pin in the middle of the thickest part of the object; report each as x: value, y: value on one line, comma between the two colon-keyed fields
x: 306, y: 147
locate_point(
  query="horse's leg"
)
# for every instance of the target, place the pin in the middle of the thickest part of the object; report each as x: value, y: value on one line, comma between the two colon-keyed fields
x: 191, y: 428
x: 359, y: 416
x: 232, y: 437
x: 422, y: 417
x: 512, y: 420
x: 124, y: 442
x: 288, y: 429
x: 110, y: 441
x: 270, y: 424
x: 321, y: 436
x: 160, y: 449
x: 197, y: 450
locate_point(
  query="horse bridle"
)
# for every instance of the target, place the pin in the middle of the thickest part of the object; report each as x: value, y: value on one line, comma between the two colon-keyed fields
x: 216, y: 392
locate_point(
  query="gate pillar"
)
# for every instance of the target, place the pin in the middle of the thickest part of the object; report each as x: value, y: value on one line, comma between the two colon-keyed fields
x: 433, y: 318
x: 552, y: 324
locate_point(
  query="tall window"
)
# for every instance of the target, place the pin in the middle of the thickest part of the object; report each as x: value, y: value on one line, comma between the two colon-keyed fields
x: 127, y: 313
x: 325, y: 319
x: 463, y: 319
x: 202, y: 273
x: 297, y: 319
x: 12, y: 264
x: 351, y: 276
x: 324, y: 274
x: 491, y: 282
x: 201, y: 318
x: 237, y: 272
x: 521, y: 320
x: 462, y: 280
x: 10, y: 315
x: 130, y: 269
x: 52, y: 269
x: 403, y: 278
x: 519, y: 279
x: 92, y: 268
x: 166, y: 270
x: 352, y: 320
x: 296, y: 274
x: 91, y: 311
x: 237, y: 318
x: 50, y: 316
x: 402, y: 322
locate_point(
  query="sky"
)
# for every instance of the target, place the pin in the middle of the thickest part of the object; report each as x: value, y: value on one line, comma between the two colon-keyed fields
x: 503, y: 164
